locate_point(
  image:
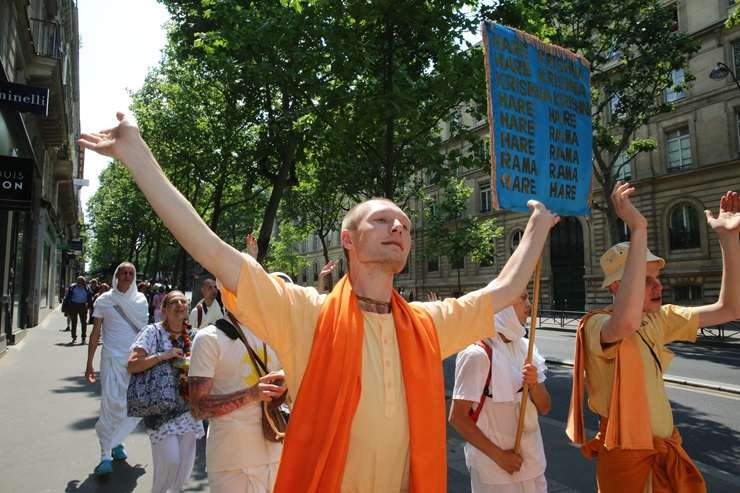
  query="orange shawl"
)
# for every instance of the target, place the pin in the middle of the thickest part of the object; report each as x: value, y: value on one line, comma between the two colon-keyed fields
x: 629, y: 424
x: 317, y: 442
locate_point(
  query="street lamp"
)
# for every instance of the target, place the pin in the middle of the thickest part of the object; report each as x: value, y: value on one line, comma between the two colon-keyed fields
x: 721, y: 71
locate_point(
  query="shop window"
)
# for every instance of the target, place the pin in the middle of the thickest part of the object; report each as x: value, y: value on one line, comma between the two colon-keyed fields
x: 684, y: 228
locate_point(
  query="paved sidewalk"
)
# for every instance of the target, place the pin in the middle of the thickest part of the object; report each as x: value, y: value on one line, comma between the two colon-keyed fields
x: 48, y: 441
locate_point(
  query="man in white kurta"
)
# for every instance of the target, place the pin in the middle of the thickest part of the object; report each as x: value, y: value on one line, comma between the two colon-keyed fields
x: 118, y: 316
x: 238, y: 457
x: 495, y: 467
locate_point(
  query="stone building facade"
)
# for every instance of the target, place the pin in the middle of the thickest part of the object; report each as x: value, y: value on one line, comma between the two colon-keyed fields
x: 39, y: 46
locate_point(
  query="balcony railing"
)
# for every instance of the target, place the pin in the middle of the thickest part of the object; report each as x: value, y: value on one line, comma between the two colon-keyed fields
x: 47, y: 38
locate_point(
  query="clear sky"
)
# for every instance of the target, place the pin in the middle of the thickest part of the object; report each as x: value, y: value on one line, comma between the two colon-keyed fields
x: 119, y: 41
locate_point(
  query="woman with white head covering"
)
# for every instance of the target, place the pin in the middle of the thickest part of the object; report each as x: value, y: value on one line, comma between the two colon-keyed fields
x: 489, y: 376
x: 118, y: 315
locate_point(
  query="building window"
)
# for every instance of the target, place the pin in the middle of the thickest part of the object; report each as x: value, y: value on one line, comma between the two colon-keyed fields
x: 433, y: 264
x: 516, y: 237
x: 687, y: 294
x: 675, y: 26
x: 622, y: 167
x: 624, y: 231
x: 341, y: 267
x: 614, y: 108
x: 684, y: 228
x: 315, y: 242
x: 457, y: 263
x: 678, y: 144
x: 671, y: 94
x: 484, y: 196
x: 315, y: 271
x: 304, y: 275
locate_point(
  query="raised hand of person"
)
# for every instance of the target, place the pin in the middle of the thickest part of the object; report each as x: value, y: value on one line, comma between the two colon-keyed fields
x: 251, y: 245
x: 328, y: 268
x: 113, y: 142
x: 728, y: 219
x: 541, y: 213
x: 624, y: 207
x: 432, y: 296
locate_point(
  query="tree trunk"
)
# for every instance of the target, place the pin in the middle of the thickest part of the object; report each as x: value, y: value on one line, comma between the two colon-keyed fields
x: 388, y: 168
x: 330, y: 278
x: 279, y: 184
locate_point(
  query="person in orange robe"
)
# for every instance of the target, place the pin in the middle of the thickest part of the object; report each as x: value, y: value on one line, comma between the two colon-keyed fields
x: 621, y: 352
x: 369, y: 413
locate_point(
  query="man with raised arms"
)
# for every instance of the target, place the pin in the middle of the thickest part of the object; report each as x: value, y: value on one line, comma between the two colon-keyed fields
x: 622, y: 351
x: 365, y: 365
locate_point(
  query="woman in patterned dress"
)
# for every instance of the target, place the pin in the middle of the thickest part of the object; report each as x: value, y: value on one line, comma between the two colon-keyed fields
x: 173, y: 437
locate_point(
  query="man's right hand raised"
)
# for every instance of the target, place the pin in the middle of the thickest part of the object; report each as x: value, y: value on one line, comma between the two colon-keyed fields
x: 624, y: 207
x: 114, y: 142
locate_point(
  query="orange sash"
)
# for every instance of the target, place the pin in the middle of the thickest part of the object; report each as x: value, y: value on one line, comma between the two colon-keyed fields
x: 317, y: 441
x: 620, y: 470
x: 629, y: 424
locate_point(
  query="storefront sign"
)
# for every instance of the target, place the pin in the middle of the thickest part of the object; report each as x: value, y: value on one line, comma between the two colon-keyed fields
x: 539, y: 115
x: 16, y: 182
x: 24, y: 98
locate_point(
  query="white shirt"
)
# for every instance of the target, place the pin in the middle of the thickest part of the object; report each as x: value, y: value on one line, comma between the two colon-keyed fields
x: 235, y: 440
x: 117, y: 333
x: 210, y: 315
x: 498, y: 420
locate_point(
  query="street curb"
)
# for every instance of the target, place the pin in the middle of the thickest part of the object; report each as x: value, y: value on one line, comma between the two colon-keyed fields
x: 701, y: 384
x: 699, y: 342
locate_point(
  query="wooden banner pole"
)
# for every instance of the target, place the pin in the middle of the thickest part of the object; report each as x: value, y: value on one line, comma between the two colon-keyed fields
x: 533, y: 326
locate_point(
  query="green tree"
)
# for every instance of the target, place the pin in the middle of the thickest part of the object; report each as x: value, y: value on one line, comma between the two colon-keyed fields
x: 400, y: 69
x: 450, y: 231
x: 634, y: 48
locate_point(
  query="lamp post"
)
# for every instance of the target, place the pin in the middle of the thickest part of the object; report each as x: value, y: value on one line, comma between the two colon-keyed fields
x: 721, y: 71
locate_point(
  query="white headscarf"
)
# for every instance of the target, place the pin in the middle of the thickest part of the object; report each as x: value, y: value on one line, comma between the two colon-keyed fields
x: 508, y: 324
x: 133, y: 303
x: 508, y: 359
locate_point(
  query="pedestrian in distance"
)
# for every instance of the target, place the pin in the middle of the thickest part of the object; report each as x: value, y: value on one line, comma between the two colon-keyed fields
x: 118, y: 315
x: 157, y: 301
x: 209, y: 309
x: 369, y: 413
x: 621, y: 351
x: 173, y: 436
x: 486, y: 399
x: 78, y: 299
x: 93, y: 286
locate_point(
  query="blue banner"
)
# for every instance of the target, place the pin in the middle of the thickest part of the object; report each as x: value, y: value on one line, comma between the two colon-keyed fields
x: 539, y: 118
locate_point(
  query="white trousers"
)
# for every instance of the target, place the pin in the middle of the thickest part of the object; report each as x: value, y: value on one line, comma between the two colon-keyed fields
x: 173, y: 458
x: 258, y: 479
x: 536, y: 485
x: 113, y: 425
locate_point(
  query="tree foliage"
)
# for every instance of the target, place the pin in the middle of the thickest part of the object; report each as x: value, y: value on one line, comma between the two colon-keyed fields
x: 449, y: 230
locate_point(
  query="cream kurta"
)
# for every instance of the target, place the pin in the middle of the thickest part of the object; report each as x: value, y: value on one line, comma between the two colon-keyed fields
x: 286, y: 315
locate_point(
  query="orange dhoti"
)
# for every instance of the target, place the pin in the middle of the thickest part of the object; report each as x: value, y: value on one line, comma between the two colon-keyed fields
x: 627, y: 471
